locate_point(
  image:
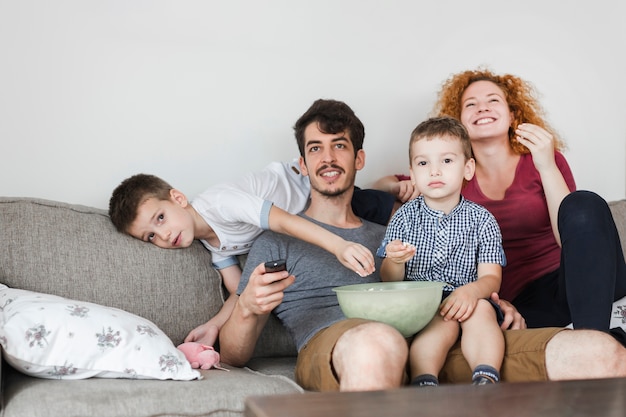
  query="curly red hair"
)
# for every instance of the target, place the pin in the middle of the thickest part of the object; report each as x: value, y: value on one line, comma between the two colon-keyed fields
x: 520, y: 96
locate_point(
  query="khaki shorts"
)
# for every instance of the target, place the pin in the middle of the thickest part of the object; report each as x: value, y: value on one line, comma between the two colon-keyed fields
x: 524, y: 358
x: 314, y: 369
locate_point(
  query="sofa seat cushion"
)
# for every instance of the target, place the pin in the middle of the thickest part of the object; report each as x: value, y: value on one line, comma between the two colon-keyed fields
x: 218, y: 394
x: 53, y: 337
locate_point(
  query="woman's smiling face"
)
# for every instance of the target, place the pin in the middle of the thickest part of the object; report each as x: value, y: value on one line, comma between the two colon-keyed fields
x: 485, y: 111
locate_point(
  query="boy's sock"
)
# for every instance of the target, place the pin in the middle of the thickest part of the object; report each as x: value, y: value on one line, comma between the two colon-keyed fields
x: 425, y: 380
x: 485, y: 374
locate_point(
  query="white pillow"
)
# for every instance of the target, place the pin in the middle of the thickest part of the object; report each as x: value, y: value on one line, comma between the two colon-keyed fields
x: 53, y: 337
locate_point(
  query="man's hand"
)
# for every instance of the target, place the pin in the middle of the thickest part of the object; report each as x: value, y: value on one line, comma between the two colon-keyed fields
x: 264, y: 291
x: 513, y: 320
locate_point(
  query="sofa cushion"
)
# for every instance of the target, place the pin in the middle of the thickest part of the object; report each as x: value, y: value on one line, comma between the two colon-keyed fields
x: 75, y: 252
x: 52, y: 337
x: 217, y: 394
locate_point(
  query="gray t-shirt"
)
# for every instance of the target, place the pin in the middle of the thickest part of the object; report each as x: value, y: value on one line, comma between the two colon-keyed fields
x: 310, y: 305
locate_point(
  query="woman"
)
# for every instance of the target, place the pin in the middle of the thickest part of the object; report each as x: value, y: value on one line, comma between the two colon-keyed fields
x: 565, y: 262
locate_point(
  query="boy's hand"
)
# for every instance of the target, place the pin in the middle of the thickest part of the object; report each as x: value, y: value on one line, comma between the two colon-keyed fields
x: 356, y: 257
x: 459, y: 305
x: 400, y: 252
x: 205, y: 334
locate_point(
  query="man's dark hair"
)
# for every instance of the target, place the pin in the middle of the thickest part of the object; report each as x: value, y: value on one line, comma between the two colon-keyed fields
x: 332, y: 117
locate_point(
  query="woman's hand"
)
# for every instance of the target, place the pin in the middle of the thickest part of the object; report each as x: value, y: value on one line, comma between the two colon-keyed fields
x: 403, y: 190
x: 540, y: 142
x: 406, y: 191
x: 513, y: 320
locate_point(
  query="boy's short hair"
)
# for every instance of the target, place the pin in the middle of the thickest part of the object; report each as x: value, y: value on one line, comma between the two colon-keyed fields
x: 331, y: 116
x: 130, y: 194
x: 437, y: 127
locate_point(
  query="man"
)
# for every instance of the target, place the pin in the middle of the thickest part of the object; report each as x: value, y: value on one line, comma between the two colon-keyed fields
x: 335, y: 353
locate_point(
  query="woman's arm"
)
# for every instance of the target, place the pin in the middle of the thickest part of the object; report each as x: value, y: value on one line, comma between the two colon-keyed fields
x: 403, y: 190
x: 541, y: 145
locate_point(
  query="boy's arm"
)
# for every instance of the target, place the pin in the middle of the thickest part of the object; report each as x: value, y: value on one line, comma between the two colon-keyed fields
x: 207, y: 332
x: 393, y: 267
x: 461, y: 303
x: 352, y: 255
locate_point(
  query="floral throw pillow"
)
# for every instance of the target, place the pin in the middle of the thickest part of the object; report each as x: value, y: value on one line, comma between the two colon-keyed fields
x: 47, y: 336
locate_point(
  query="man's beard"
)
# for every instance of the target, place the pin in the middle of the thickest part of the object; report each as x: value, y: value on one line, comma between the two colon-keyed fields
x: 336, y: 192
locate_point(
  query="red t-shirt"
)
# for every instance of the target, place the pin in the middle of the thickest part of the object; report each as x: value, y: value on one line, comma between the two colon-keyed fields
x: 529, y: 244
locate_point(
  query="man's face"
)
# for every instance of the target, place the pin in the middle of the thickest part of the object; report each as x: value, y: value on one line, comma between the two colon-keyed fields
x: 329, y: 161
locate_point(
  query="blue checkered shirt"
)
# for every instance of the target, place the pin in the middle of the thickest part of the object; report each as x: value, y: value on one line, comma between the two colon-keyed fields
x: 449, y: 247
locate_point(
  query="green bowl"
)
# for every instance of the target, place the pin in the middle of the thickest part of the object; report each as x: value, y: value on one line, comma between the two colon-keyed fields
x: 406, y: 305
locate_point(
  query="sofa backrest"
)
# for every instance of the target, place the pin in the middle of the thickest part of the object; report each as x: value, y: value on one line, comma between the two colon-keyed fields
x: 618, y: 208
x: 74, y: 251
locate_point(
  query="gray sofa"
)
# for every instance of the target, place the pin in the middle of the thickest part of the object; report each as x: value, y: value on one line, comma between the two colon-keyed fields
x: 73, y: 251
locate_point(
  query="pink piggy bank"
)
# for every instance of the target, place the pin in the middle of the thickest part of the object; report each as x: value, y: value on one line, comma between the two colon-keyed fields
x: 201, y: 356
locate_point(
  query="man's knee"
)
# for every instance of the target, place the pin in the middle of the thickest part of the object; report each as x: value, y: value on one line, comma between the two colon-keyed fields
x: 373, y: 340
x: 370, y: 356
x: 584, y: 354
x: 372, y: 345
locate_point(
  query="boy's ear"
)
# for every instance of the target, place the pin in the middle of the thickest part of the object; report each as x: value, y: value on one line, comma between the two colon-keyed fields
x: 470, y: 169
x: 178, y: 197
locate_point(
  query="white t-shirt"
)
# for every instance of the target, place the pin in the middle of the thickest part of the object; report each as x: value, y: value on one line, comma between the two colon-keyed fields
x: 238, y: 211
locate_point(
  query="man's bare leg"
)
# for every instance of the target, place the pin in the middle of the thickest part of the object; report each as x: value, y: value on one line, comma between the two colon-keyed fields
x: 371, y: 356
x: 584, y: 354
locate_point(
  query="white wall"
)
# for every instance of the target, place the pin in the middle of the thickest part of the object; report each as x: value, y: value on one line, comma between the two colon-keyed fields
x: 200, y: 91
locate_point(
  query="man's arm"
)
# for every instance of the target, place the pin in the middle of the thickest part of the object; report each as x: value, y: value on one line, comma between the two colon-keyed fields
x: 251, y: 311
x: 352, y: 255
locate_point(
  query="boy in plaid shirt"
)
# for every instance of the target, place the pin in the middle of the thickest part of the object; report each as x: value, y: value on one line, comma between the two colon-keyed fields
x: 440, y: 236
